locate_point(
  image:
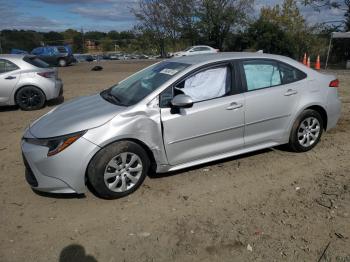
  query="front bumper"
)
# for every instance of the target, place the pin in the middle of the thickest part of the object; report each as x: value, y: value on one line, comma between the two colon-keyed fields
x: 61, y: 173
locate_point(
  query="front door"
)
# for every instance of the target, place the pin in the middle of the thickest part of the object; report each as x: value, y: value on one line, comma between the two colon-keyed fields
x: 215, y: 123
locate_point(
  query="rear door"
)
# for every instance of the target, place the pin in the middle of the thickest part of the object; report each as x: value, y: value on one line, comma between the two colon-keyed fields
x: 272, y: 94
x: 215, y: 123
x: 9, y: 76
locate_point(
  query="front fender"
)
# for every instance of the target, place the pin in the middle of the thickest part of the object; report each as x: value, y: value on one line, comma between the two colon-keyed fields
x: 144, y: 126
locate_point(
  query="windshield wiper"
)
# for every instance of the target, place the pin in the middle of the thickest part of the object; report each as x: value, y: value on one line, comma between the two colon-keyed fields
x: 110, y: 97
x: 113, y: 97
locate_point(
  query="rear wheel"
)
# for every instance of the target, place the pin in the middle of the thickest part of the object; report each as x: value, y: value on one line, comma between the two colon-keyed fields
x: 306, y: 132
x: 118, y: 169
x: 62, y: 62
x: 30, y: 98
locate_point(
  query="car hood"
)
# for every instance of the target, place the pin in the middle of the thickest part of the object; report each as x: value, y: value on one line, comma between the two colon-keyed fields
x: 79, y: 114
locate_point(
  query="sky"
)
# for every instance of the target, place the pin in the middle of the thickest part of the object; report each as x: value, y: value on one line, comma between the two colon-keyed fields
x: 101, y: 15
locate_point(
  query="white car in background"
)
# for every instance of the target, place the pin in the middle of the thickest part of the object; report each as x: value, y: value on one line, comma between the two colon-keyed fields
x: 196, y: 50
x: 27, y: 81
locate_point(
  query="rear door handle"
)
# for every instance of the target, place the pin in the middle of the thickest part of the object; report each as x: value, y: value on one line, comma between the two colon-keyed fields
x: 291, y: 92
x: 10, y: 77
x: 234, y: 105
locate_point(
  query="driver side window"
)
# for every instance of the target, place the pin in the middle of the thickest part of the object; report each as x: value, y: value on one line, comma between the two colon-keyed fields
x: 201, y: 86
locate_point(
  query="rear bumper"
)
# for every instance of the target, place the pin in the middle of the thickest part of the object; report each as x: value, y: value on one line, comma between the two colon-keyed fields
x: 56, y: 90
x: 333, y: 111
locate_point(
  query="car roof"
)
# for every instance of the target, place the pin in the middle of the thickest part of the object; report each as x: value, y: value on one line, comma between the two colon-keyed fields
x: 13, y: 56
x: 222, y: 56
x: 201, y: 46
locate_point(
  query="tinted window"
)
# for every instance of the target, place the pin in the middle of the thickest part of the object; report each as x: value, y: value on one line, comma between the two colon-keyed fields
x: 261, y: 74
x: 204, y: 49
x: 290, y: 74
x: 35, y: 61
x: 196, y: 49
x: 62, y: 49
x: 7, y: 66
x: 37, y: 51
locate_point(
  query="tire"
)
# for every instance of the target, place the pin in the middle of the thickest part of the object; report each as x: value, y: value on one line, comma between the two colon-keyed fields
x: 62, y: 62
x: 110, y: 176
x: 30, y: 98
x: 306, y: 131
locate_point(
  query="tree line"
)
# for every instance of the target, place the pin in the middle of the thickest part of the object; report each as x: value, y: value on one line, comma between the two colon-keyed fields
x: 230, y: 25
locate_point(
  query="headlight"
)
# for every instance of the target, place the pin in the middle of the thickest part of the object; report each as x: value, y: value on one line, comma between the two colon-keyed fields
x: 56, y: 144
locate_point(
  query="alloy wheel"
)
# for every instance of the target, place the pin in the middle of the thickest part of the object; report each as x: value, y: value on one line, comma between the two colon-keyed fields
x: 308, y: 131
x: 30, y: 98
x: 123, y: 172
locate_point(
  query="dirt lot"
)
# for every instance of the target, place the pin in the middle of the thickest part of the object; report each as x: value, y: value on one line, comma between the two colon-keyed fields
x: 284, y: 206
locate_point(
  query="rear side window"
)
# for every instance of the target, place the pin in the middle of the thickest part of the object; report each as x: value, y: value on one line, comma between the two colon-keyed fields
x: 62, y: 49
x: 7, y: 66
x: 203, y: 48
x: 36, y: 62
x: 290, y: 74
x: 261, y: 74
x: 37, y: 51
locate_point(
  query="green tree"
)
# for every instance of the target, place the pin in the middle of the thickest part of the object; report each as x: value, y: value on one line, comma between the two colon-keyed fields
x: 95, y: 35
x: 216, y: 18
x: 107, y: 44
x: 270, y: 37
x: 288, y: 17
x: 20, y: 39
x: 347, y: 16
x: 53, y: 38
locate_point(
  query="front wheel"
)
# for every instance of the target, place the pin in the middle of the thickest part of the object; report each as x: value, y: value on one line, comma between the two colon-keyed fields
x: 118, y: 169
x: 306, y: 131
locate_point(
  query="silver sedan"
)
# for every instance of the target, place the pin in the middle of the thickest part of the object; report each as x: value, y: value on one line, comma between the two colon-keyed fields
x: 175, y: 114
x: 27, y: 81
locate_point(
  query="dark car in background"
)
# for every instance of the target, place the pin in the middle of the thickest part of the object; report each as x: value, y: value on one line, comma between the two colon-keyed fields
x: 54, y: 55
x: 83, y: 58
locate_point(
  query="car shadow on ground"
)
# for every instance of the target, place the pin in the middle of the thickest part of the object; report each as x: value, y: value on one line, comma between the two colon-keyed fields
x: 55, y: 102
x: 283, y: 149
x: 75, y: 253
x: 8, y: 108
x: 51, y: 103
x: 154, y: 175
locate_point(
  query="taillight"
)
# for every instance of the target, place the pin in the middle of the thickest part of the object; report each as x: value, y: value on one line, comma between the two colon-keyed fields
x: 47, y: 74
x: 334, y: 83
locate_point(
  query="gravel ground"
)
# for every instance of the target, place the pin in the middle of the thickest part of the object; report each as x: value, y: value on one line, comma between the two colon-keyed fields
x: 270, y: 205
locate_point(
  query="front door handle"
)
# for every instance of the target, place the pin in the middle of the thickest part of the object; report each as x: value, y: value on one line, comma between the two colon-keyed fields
x: 10, y: 77
x: 291, y: 92
x: 234, y: 105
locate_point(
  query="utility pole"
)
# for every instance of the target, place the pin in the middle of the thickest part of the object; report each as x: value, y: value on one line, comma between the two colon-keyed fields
x: 83, y: 40
x: 0, y: 43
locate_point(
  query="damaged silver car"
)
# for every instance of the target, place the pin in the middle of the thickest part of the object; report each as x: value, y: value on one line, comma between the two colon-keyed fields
x: 176, y: 114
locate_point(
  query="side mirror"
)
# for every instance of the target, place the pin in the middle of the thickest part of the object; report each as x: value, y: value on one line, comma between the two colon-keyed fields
x: 182, y: 101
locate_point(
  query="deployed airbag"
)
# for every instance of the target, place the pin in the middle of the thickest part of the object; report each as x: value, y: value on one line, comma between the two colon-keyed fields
x: 206, y: 85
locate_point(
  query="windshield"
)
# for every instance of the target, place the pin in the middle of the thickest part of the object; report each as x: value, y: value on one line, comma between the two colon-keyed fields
x: 138, y: 86
x: 188, y: 48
